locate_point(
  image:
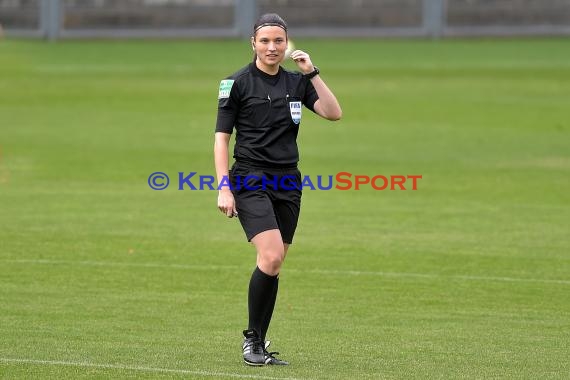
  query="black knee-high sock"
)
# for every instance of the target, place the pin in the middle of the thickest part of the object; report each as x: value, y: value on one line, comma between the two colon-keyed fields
x: 261, y: 288
x: 269, y: 311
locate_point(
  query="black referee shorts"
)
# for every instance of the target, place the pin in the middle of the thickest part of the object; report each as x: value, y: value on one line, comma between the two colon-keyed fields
x: 266, y: 199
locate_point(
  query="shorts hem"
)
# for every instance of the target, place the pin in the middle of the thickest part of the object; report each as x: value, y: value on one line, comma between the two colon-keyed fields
x: 251, y: 236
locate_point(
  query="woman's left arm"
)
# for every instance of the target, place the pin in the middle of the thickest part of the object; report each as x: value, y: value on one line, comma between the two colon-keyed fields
x: 326, y: 106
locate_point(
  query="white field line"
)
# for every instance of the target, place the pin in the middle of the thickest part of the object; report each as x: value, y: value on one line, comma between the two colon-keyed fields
x: 118, y: 264
x: 437, y: 276
x: 123, y: 68
x: 314, y: 271
x: 110, y: 68
x: 139, y: 368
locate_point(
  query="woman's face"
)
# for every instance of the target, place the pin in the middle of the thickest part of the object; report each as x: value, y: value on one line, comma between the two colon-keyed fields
x: 269, y: 44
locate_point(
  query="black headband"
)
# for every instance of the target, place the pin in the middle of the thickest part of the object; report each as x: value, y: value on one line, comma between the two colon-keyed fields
x: 270, y: 24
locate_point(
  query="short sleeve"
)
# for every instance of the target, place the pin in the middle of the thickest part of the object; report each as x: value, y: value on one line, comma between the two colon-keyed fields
x: 228, y: 105
x: 310, y: 96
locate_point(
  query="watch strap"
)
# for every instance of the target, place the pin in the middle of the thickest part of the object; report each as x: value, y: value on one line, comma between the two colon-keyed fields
x: 313, y: 73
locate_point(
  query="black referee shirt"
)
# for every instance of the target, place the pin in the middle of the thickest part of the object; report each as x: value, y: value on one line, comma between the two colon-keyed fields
x: 266, y: 113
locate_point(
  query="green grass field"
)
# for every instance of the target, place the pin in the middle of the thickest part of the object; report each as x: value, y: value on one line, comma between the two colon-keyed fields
x: 467, y: 277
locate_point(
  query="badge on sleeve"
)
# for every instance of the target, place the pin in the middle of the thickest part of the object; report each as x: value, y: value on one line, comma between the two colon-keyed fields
x: 225, y: 88
x: 295, y: 108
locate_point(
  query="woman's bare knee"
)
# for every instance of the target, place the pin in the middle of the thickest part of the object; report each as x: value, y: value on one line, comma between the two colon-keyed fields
x: 270, y: 262
x: 270, y: 251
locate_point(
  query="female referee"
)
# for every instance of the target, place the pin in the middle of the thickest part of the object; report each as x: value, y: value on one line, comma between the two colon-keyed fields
x: 262, y: 101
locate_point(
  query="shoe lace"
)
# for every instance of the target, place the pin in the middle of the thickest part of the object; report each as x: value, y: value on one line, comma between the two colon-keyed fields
x: 270, y: 354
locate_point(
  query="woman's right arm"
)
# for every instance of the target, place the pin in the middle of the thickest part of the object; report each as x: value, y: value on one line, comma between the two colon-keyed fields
x: 226, y: 202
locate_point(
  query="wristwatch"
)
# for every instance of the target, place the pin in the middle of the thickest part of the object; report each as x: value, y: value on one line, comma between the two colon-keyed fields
x: 313, y: 73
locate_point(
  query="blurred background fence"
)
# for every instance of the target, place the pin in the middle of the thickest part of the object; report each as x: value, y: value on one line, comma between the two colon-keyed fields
x: 53, y: 19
